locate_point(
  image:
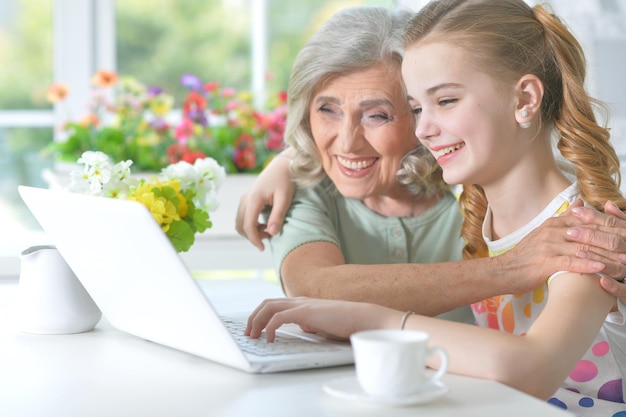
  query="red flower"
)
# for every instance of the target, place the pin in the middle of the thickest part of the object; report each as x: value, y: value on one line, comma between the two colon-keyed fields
x: 192, y: 156
x: 244, y: 141
x: 194, y: 101
x: 210, y: 87
x: 245, y: 156
x: 178, y: 152
x: 282, y: 97
x: 274, y: 124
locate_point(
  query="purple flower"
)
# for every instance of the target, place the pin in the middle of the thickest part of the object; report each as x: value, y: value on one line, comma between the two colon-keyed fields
x: 197, y: 116
x: 154, y: 91
x: 191, y: 82
x: 158, y: 124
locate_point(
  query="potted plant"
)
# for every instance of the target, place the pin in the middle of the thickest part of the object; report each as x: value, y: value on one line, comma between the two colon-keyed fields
x: 128, y: 120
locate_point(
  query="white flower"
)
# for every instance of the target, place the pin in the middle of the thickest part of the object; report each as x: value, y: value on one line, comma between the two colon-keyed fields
x: 200, y: 182
x: 204, y: 177
x: 94, y: 159
x: 181, y: 171
x: 209, y: 177
x: 100, y: 177
x: 121, y: 170
x: 79, y: 182
x: 210, y: 170
x: 207, y: 200
x: 121, y: 181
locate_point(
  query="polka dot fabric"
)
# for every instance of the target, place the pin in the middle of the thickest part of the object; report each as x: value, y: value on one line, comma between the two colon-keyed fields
x: 595, y: 387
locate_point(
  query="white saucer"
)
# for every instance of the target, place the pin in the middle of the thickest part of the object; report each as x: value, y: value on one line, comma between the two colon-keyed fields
x: 348, y: 388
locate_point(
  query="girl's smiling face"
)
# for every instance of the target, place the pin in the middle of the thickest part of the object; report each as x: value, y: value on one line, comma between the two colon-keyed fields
x: 362, y: 126
x: 464, y: 118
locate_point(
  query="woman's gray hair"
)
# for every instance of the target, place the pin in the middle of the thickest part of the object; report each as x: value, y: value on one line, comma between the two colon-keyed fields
x: 354, y: 39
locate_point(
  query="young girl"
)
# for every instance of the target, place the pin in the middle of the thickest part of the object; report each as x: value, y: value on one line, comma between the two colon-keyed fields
x: 490, y: 83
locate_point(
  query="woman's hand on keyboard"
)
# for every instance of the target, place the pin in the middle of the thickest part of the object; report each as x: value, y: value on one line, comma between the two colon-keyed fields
x: 331, y: 318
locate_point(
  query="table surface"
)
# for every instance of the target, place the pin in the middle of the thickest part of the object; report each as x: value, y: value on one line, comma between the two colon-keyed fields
x: 105, y: 372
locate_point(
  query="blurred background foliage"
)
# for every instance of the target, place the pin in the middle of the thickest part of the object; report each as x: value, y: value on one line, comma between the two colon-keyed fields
x: 156, y: 42
x: 26, y: 53
x: 212, y: 39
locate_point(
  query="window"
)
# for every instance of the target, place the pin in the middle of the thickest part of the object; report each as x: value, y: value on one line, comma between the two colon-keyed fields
x: 246, y: 44
x: 25, y: 115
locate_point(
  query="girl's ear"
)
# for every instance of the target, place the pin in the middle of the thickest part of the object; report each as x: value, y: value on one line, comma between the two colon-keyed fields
x: 529, y: 93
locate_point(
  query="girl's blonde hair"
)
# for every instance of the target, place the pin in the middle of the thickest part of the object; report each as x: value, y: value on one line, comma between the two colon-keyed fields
x: 508, y: 39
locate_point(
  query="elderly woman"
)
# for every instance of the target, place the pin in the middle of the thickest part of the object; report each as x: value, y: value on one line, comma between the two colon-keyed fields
x: 372, y: 219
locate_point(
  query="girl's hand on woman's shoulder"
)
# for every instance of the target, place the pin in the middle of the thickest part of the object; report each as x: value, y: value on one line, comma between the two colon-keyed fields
x: 273, y: 187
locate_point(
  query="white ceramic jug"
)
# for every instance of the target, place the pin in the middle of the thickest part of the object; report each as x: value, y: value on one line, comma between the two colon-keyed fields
x: 50, y: 299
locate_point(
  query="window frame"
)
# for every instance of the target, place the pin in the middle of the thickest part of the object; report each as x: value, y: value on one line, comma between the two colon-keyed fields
x: 84, y: 42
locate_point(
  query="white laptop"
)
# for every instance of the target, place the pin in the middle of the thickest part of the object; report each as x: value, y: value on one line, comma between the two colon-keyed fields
x: 131, y: 270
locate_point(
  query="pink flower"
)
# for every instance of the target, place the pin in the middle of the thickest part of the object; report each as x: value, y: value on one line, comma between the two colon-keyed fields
x: 274, y: 141
x: 228, y: 92
x: 183, y: 131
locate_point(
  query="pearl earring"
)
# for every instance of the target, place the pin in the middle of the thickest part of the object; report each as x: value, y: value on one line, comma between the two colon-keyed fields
x: 525, y: 125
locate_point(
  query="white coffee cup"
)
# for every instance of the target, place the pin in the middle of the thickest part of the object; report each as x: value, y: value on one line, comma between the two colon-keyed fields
x: 391, y: 363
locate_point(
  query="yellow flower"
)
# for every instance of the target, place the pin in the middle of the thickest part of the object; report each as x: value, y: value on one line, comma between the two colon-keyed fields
x: 132, y: 85
x: 183, y: 206
x: 198, y: 129
x: 150, y: 139
x: 179, y: 198
x: 163, y: 211
x: 162, y: 104
x: 245, y: 96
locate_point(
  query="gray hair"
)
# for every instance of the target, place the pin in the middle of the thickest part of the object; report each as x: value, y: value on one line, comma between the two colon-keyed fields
x: 354, y: 39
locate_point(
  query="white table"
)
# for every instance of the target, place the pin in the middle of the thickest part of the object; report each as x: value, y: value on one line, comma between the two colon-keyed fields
x: 112, y: 374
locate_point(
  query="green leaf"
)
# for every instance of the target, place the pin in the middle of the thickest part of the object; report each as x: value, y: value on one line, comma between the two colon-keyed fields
x: 201, y: 220
x: 181, y: 235
x: 168, y: 193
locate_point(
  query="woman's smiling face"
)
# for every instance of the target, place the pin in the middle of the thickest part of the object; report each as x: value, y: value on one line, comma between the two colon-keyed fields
x: 461, y: 114
x: 363, y: 127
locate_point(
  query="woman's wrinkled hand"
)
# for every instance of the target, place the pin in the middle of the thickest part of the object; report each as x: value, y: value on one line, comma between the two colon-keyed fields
x: 580, y: 240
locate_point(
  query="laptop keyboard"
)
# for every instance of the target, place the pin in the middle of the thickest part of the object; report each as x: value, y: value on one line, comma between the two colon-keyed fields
x: 283, y: 343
